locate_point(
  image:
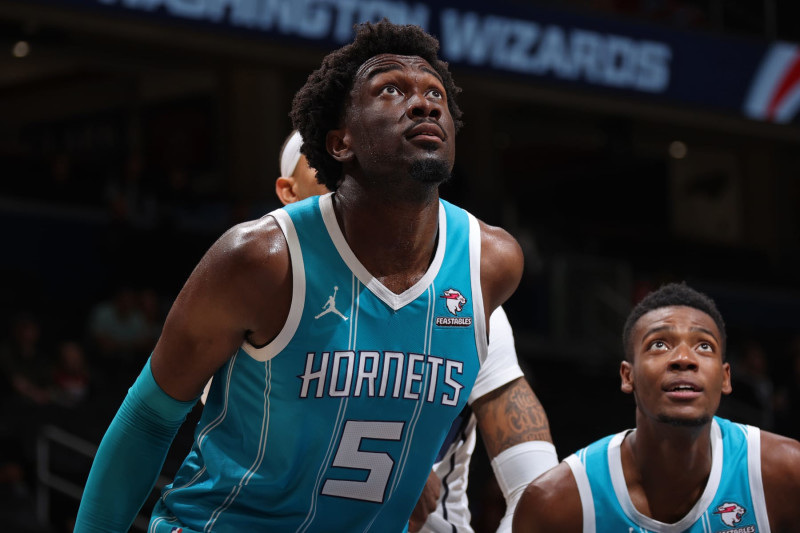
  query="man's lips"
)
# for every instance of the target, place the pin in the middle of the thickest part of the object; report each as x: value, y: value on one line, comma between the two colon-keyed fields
x: 426, y: 131
x: 682, y: 390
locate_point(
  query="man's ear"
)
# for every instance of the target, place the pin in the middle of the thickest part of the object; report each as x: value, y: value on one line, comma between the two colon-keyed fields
x: 337, y: 142
x: 284, y: 188
x: 626, y: 374
x: 727, y: 388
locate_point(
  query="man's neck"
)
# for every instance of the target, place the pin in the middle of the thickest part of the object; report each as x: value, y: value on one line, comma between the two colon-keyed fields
x: 666, y: 468
x: 393, y: 235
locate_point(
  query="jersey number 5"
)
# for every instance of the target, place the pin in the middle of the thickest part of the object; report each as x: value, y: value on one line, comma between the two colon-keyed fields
x: 349, y: 455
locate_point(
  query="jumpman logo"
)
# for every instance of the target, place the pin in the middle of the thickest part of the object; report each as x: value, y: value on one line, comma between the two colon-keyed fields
x: 330, y: 305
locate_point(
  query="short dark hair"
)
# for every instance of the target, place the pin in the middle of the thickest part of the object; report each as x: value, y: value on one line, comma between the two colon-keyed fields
x: 319, y: 106
x: 666, y: 296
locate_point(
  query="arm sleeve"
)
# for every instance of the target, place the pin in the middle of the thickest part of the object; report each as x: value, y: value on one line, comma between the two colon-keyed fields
x: 501, y: 365
x: 516, y: 467
x: 130, y: 456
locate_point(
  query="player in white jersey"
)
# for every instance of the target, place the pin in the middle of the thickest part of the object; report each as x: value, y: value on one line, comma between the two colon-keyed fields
x: 444, y: 507
x: 681, y: 469
x: 339, y: 435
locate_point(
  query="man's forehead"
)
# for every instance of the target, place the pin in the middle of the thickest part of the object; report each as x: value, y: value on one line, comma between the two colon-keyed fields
x: 383, y: 62
x: 673, y: 315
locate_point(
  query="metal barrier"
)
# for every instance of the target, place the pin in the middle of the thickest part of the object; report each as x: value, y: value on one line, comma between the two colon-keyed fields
x: 47, y: 480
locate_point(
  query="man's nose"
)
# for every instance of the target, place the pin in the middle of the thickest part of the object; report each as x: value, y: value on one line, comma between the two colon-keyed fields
x: 420, y: 106
x: 683, y: 358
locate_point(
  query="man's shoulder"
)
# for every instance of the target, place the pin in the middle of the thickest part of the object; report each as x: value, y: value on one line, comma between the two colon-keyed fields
x: 780, y: 474
x: 254, y: 236
x: 551, y: 502
x: 780, y: 451
x: 252, y: 248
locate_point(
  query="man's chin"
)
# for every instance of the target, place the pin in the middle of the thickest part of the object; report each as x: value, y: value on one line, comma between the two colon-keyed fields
x: 430, y: 170
x: 685, y: 421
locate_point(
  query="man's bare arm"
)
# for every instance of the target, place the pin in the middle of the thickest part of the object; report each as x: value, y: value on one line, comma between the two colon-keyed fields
x: 780, y: 474
x: 240, y: 290
x: 426, y: 504
x: 501, y: 266
x: 510, y: 415
x: 550, y: 503
x: 516, y: 433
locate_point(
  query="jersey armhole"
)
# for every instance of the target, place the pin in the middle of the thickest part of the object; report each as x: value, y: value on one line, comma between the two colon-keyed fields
x: 585, y: 491
x: 274, y: 347
x: 756, y: 481
x: 478, y: 311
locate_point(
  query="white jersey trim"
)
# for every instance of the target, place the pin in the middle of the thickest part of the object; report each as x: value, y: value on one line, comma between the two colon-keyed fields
x: 756, y: 481
x: 394, y: 301
x: 696, y: 512
x: 478, y: 312
x: 585, y: 491
x: 274, y: 347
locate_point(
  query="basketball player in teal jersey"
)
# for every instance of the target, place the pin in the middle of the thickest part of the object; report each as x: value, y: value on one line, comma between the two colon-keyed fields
x: 682, y: 468
x: 513, y: 423
x: 322, y: 424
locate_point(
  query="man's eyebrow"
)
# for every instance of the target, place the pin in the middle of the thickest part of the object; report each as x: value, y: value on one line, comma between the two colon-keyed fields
x: 380, y: 70
x: 656, y: 330
x: 386, y: 68
x: 706, y: 331
x: 432, y: 72
x: 670, y: 328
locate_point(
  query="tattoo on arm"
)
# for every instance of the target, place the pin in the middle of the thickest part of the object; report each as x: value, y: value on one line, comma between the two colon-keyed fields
x: 511, y: 415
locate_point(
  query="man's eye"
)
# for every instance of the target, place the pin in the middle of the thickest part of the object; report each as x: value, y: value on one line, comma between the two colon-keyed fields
x: 390, y: 89
x: 435, y: 93
x: 658, y: 345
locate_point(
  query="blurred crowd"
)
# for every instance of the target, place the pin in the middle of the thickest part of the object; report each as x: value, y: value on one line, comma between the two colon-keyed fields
x: 74, y: 382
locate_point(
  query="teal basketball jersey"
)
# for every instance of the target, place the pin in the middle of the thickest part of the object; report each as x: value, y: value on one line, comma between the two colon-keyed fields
x: 732, y: 502
x: 334, y: 425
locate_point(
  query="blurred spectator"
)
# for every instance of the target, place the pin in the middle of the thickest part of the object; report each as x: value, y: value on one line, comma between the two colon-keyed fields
x: 71, y: 375
x: 176, y: 197
x: 17, y: 505
x: 26, y: 403
x: 117, y: 326
x: 753, y: 398
x: 132, y: 209
x: 129, y: 197
x: 787, y: 416
x: 24, y: 365
x: 65, y: 183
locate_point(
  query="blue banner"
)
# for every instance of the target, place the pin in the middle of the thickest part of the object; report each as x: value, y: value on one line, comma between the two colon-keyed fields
x: 619, y: 57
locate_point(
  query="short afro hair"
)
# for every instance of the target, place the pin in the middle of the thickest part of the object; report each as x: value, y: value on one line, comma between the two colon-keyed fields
x: 319, y: 106
x: 666, y: 296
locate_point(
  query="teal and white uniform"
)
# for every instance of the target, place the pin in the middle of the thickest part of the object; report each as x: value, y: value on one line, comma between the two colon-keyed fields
x: 732, y: 502
x: 334, y: 425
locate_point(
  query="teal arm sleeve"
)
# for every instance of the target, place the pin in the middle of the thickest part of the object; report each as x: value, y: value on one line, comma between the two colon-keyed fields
x: 130, y: 457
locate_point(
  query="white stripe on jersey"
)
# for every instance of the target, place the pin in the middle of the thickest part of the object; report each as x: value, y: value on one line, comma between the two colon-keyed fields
x: 217, y: 421
x: 340, y: 415
x: 262, y: 446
